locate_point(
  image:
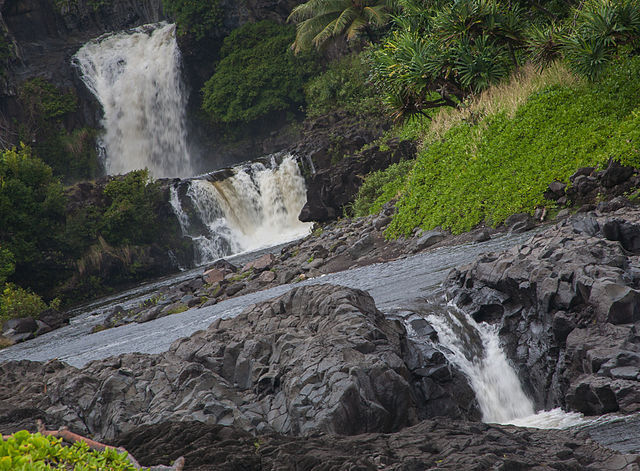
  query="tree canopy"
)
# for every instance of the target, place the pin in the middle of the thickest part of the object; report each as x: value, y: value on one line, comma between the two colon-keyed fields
x: 320, y: 20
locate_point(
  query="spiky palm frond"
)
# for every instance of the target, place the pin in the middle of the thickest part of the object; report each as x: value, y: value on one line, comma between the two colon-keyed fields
x: 544, y: 43
x: 481, y: 63
x: 319, y: 20
x: 612, y: 21
x: 587, y: 56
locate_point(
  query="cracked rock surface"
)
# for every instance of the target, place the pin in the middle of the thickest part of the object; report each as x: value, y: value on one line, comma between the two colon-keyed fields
x: 568, y: 306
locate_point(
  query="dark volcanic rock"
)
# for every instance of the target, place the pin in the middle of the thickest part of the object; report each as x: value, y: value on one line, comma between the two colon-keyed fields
x: 588, y: 186
x: 337, y: 172
x: 319, y: 358
x: 437, y: 444
x: 567, y: 302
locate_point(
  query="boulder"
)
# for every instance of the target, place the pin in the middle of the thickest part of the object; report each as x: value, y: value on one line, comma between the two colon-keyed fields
x: 234, y: 288
x: 260, y: 264
x: 518, y: 223
x: 213, y: 276
x: 361, y: 246
x: 433, y: 444
x: 316, y: 359
x: 334, y: 185
x: 21, y: 325
x: 428, y: 238
x: 566, y: 303
x: 267, y: 277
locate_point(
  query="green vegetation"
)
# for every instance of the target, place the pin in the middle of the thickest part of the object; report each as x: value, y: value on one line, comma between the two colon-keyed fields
x: 70, y: 153
x: 381, y: 187
x: 345, y: 85
x: 130, y: 217
x: 75, y: 253
x: 601, y: 28
x: 16, y: 302
x: 34, y: 452
x: 320, y: 20
x: 43, y: 100
x: 31, y: 214
x: 197, y: 17
x: 257, y: 76
x: 500, y: 165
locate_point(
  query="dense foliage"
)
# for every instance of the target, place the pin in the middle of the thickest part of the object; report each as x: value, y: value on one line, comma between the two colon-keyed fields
x: 198, y: 17
x: 381, y: 187
x: 44, y: 244
x: 130, y: 217
x: 70, y: 153
x: 31, y: 213
x: 34, y: 452
x: 345, y: 85
x: 502, y: 165
x: 258, y: 75
x: 320, y: 20
x: 438, y: 53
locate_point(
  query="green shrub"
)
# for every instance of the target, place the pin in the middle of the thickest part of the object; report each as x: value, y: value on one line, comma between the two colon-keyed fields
x: 257, y: 75
x: 33, y: 452
x: 17, y: 302
x: 7, y: 265
x: 380, y: 187
x: 130, y: 217
x: 345, y: 84
x: 70, y: 153
x: 198, y: 17
x: 501, y: 165
x: 32, y: 205
x: 42, y: 98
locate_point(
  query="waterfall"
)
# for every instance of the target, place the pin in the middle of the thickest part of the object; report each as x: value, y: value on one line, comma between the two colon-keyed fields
x: 475, y: 349
x: 135, y: 75
x: 256, y: 206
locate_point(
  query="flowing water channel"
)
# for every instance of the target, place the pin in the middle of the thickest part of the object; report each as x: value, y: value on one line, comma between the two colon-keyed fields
x: 475, y: 349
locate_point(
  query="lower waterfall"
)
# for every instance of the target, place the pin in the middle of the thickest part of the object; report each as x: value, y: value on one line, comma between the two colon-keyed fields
x: 256, y: 205
x: 475, y: 349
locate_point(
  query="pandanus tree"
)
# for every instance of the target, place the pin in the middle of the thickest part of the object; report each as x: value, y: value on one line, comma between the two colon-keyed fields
x: 320, y: 20
x: 440, y: 52
x: 599, y: 29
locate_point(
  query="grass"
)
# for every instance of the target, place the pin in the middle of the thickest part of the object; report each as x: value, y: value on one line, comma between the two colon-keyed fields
x: 495, y: 156
x: 506, y: 97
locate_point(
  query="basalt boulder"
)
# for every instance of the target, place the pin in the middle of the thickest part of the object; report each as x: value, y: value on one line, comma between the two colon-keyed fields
x: 333, y: 186
x: 566, y: 302
x: 435, y: 444
x: 317, y: 359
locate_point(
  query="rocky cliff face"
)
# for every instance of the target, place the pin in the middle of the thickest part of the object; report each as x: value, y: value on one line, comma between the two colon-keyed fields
x: 46, y: 34
x: 567, y: 303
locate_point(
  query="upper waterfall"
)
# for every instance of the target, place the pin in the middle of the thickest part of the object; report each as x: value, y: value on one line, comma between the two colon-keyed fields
x: 136, y: 77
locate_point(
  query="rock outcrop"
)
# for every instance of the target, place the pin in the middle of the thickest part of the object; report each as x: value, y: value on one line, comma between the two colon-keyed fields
x: 317, y: 359
x: 567, y: 303
x: 434, y: 444
x: 335, y: 166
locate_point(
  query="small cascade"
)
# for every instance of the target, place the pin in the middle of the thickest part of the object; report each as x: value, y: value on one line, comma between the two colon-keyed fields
x: 253, y: 206
x: 135, y: 75
x: 475, y: 349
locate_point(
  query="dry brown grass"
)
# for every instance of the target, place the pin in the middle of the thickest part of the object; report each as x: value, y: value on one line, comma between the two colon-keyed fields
x: 92, y: 261
x: 5, y: 342
x: 505, y: 97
